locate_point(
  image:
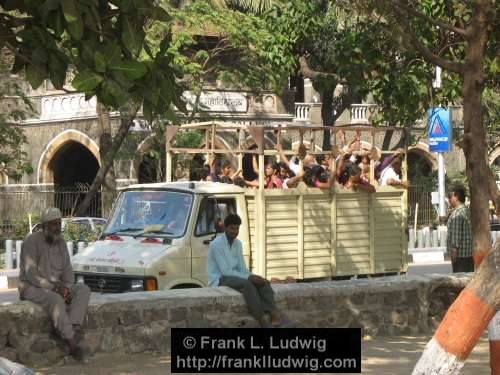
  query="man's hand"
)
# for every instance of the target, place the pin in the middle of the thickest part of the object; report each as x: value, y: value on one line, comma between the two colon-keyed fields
x: 257, y: 280
x: 453, y: 255
x: 64, y: 292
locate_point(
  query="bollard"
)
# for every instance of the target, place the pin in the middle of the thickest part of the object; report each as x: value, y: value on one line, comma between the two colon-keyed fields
x: 420, y: 238
x: 443, y: 232
x: 81, y: 246
x: 435, y: 238
x: 9, y: 256
x: 70, y: 246
x: 427, y: 236
x: 411, y: 239
x: 19, y: 244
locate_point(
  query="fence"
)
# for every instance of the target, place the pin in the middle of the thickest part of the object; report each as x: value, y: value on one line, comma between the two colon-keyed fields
x: 426, y: 212
x: 16, y: 205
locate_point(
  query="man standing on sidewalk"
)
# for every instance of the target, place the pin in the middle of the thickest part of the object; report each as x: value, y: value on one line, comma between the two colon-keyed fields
x: 459, y: 238
x: 46, y: 278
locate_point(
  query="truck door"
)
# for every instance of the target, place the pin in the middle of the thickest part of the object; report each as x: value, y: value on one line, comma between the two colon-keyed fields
x: 209, y: 223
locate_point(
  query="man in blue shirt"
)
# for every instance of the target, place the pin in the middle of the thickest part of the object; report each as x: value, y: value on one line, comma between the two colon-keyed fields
x: 226, y: 267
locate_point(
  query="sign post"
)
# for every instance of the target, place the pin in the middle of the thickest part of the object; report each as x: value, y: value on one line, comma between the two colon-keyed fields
x: 440, y: 140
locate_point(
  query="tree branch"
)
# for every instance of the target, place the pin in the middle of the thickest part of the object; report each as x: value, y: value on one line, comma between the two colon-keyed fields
x: 307, y: 72
x: 431, y: 20
x: 423, y: 50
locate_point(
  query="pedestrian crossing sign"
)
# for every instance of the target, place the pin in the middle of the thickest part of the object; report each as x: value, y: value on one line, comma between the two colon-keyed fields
x: 440, y: 129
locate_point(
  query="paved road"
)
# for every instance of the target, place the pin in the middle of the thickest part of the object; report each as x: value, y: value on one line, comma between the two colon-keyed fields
x: 384, y: 355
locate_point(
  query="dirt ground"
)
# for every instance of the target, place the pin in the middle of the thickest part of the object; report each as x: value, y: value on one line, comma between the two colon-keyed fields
x: 382, y: 355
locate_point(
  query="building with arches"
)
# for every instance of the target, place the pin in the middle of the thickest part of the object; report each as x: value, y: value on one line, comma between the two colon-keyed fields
x: 63, y: 138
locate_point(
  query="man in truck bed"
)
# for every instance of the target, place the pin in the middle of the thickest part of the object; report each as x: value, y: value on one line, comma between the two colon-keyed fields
x: 226, y: 267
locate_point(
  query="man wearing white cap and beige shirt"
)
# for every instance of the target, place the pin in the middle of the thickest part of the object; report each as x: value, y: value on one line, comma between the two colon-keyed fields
x: 46, y: 278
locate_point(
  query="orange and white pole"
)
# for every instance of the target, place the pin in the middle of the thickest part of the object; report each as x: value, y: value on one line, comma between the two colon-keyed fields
x: 464, y: 322
x: 494, y: 336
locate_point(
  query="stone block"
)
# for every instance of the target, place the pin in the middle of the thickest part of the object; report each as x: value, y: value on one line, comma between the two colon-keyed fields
x: 393, y: 298
x: 43, y: 344
x: 131, y: 317
x: 177, y: 314
x: 30, y: 358
x: 152, y: 315
x: 9, y: 353
x: 18, y: 341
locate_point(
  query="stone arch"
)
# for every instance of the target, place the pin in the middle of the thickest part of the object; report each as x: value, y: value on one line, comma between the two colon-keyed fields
x: 44, y: 173
x: 422, y: 149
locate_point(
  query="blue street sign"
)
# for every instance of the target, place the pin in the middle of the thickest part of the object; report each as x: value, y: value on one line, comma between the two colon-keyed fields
x: 440, y: 129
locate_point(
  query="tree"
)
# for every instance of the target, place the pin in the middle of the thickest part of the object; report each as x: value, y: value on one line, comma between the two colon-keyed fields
x: 104, y: 43
x: 462, y: 38
x: 212, y: 48
x: 14, y: 106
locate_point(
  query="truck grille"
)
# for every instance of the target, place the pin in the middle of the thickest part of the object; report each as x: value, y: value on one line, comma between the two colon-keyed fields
x: 106, y: 283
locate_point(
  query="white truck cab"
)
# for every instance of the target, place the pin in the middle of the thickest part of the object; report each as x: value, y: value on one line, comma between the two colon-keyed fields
x: 158, y: 235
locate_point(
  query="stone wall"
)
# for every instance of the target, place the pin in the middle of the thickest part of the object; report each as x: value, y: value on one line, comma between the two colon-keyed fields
x: 138, y: 322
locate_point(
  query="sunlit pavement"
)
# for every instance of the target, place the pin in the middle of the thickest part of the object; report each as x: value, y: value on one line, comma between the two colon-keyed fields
x: 384, y: 355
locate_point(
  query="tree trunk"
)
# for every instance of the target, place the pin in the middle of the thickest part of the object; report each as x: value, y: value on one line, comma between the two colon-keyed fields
x: 474, y: 141
x: 108, y: 190
x: 107, y: 160
x: 464, y: 322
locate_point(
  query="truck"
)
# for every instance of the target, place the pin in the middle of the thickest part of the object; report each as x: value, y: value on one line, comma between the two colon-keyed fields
x: 158, y: 235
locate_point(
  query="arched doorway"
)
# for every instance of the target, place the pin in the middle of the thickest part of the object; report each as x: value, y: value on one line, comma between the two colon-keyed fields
x: 418, y: 166
x: 74, y: 168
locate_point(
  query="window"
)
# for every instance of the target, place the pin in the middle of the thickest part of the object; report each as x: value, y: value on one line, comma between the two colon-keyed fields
x: 212, y: 214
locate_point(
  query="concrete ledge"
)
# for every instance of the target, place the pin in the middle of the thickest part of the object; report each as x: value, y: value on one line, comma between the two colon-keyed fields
x: 138, y: 322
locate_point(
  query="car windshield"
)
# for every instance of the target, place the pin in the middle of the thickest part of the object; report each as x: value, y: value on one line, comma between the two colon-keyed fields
x: 136, y: 211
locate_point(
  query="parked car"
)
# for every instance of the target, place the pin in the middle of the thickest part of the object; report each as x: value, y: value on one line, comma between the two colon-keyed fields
x: 87, y: 223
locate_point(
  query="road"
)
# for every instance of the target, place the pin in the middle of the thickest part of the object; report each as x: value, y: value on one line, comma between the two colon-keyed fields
x: 382, y: 355
x: 10, y: 295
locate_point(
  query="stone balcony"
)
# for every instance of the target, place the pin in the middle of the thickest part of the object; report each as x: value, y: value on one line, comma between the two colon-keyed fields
x: 356, y: 114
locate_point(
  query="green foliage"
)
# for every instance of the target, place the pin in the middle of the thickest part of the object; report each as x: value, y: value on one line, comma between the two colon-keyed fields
x: 75, y: 233
x: 14, y: 106
x: 238, y: 49
x: 104, y: 41
x: 21, y: 227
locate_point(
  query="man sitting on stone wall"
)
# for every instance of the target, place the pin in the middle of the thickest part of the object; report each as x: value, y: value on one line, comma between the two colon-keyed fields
x: 46, y: 278
x: 226, y: 267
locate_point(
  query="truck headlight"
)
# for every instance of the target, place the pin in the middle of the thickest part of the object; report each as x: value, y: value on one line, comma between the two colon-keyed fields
x: 136, y: 285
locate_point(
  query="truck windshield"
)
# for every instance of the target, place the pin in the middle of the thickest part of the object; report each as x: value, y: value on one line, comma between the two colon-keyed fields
x: 136, y: 210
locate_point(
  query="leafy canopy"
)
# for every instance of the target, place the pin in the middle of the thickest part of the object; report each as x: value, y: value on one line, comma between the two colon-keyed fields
x: 103, y: 41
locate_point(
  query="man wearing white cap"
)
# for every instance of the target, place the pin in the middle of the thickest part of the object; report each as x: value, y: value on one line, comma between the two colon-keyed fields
x: 46, y: 278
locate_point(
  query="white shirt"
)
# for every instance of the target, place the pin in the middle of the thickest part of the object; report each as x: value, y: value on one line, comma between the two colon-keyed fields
x: 388, y: 174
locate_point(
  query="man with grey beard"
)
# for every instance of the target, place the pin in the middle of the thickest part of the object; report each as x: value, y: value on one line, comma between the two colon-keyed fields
x: 46, y: 278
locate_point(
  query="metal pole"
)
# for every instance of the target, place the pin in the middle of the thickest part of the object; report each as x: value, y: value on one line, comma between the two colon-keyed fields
x: 168, y: 162
x: 441, y: 187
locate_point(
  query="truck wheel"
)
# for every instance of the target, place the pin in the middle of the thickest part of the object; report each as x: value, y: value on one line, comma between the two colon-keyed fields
x: 186, y: 286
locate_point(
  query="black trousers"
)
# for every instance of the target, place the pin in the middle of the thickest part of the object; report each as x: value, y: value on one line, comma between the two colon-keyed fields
x: 463, y: 265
